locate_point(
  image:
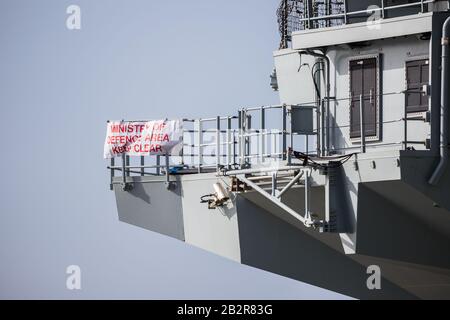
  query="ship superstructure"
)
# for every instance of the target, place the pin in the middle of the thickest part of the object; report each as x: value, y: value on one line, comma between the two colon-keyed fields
x: 348, y: 172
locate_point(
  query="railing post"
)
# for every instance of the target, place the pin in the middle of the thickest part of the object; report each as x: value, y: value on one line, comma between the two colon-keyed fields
x: 308, y: 7
x: 200, y: 142
x: 422, y: 6
x: 284, y: 141
x: 218, y: 143
x: 167, y: 171
x: 291, y: 140
x: 182, y: 150
x: 229, y: 143
x: 306, y: 194
x: 307, y: 216
x: 262, y: 134
x: 142, y: 165
x: 382, y: 9
x: 111, y: 186
x: 361, y: 124
x: 124, y: 173
x: 158, y: 165
x: 405, y: 123
x: 345, y: 11
x: 241, y: 138
x: 248, y: 144
x: 274, y: 147
x: 306, y: 144
x: 128, y: 165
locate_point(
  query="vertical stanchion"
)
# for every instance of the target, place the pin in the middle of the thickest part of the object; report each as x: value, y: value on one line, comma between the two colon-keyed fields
x: 274, y: 136
x: 405, y: 123
x: 158, y: 165
x: 274, y: 184
x: 230, y: 143
x: 361, y: 124
x: 308, y: 7
x: 167, y: 171
x: 128, y: 165
x: 248, y: 145
x: 124, y: 173
x: 291, y: 140
x: 262, y: 140
x: 142, y: 165
x: 112, y: 173
x: 307, y: 211
x: 200, y: 142
x: 182, y: 151
x: 284, y: 144
x: 218, y: 143
x: 345, y: 11
x: 306, y: 144
x: 240, y: 139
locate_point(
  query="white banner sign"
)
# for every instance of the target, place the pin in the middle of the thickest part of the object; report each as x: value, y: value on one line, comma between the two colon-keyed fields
x: 143, y: 138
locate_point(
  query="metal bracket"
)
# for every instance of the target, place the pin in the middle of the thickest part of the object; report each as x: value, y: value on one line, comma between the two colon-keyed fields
x: 275, y: 196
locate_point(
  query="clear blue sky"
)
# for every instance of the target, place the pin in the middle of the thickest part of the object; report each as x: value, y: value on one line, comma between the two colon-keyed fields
x: 131, y: 59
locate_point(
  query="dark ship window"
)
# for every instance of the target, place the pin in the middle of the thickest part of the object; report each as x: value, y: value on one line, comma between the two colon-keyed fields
x: 416, y: 78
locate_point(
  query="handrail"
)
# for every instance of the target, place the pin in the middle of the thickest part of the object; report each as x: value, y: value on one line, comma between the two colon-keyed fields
x: 231, y: 144
x: 297, y: 15
x: 369, y: 11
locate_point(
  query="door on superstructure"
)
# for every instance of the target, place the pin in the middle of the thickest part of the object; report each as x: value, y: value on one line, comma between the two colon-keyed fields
x: 417, y: 76
x: 363, y: 82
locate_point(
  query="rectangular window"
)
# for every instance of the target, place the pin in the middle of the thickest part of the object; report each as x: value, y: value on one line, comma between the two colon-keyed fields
x: 416, y: 78
x: 364, y: 82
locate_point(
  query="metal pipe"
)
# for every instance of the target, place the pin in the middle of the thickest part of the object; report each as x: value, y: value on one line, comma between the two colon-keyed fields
x: 318, y: 107
x: 445, y: 84
x: 262, y: 170
x: 327, y: 97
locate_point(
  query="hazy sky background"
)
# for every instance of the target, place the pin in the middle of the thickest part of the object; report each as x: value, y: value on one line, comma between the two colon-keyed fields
x: 131, y: 59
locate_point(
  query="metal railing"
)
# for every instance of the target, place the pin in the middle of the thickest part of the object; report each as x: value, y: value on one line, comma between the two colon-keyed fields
x: 221, y: 144
x: 296, y: 15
